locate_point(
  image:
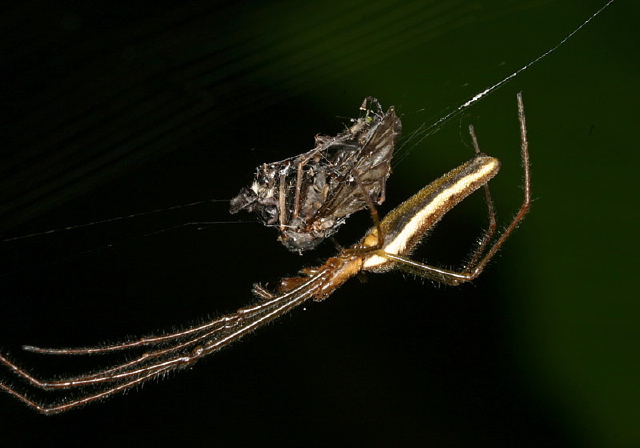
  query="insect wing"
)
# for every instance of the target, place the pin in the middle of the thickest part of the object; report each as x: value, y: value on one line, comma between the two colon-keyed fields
x: 371, y: 168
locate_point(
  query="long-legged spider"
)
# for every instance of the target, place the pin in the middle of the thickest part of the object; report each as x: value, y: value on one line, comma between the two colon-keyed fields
x: 385, y: 247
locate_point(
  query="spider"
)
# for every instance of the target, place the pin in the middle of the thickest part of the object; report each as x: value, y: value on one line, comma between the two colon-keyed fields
x: 386, y: 246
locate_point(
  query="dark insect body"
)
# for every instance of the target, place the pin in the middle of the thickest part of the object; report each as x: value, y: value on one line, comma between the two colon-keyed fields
x: 309, y: 196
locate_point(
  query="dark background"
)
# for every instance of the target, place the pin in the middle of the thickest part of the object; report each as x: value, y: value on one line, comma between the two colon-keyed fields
x: 112, y: 110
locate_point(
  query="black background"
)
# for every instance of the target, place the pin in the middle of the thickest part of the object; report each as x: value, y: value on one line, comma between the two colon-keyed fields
x: 113, y: 110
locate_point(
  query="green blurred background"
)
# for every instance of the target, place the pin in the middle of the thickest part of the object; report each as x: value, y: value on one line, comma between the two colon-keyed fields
x: 112, y: 110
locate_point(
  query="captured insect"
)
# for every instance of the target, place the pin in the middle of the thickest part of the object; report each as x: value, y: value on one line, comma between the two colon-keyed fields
x: 385, y: 247
x: 308, y: 197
